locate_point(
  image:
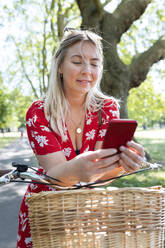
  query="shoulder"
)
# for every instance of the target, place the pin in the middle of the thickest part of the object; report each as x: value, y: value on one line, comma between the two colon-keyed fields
x: 37, y: 106
x: 36, y: 111
x: 111, y: 103
x: 111, y: 107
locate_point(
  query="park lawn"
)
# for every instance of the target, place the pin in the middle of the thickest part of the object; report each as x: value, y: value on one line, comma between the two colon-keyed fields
x: 6, y: 141
x: 154, y: 143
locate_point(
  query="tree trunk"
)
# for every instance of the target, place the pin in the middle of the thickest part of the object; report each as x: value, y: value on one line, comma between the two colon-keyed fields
x: 118, y: 77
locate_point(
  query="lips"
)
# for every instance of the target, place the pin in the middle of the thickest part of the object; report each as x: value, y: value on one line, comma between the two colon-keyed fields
x: 84, y: 81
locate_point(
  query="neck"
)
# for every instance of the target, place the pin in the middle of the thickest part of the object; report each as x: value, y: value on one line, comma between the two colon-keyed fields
x: 76, y: 102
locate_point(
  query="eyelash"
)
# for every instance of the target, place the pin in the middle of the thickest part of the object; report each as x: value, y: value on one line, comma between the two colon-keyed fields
x: 78, y: 63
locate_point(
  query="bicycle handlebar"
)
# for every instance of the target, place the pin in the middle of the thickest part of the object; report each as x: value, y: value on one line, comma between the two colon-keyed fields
x: 7, y: 176
x: 21, y: 173
x: 3, y: 172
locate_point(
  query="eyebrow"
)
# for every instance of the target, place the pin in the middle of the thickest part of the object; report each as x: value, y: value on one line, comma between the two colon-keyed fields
x: 79, y: 56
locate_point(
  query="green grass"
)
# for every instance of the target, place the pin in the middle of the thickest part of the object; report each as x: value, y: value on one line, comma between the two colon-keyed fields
x: 154, y: 143
x: 6, y: 141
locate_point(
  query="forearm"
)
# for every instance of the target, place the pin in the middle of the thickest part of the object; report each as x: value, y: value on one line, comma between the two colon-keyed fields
x: 65, y: 173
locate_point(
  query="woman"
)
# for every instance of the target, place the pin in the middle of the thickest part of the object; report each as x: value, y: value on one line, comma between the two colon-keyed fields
x: 67, y: 128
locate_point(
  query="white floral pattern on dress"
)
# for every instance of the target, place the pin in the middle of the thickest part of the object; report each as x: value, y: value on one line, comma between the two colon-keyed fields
x: 86, y: 149
x: 18, y: 237
x: 88, y: 122
x: 30, y: 122
x: 115, y: 113
x: 33, y: 133
x: 32, y: 144
x: 102, y: 132
x: 44, y: 128
x: 33, y: 186
x: 28, y: 242
x: 41, y: 139
x: 24, y: 220
x: 40, y: 105
x: 91, y: 134
x: 67, y: 151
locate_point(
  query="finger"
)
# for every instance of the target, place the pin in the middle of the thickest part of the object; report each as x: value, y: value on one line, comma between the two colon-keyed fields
x: 98, y: 154
x: 137, y: 147
x: 132, y: 165
x: 101, y: 163
x: 124, y: 165
x: 108, y: 169
x: 132, y: 154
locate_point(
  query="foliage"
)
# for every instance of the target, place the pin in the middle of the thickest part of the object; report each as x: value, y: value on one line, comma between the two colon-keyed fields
x: 38, y: 27
x: 145, y: 105
x: 4, y: 105
x: 20, y: 104
x: 13, y: 106
x: 42, y: 23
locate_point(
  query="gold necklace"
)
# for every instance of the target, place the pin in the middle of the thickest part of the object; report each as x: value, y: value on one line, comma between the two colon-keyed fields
x: 78, y: 128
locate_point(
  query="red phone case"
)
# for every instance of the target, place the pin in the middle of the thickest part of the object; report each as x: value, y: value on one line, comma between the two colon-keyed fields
x: 119, y: 131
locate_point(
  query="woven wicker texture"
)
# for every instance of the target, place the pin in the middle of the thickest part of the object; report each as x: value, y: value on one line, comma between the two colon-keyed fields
x: 98, y: 218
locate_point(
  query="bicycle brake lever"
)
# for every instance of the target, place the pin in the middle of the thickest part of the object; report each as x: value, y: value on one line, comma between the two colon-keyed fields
x: 153, y: 166
x: 20, y: 167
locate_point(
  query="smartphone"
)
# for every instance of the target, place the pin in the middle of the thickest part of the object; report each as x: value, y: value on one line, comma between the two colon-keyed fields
x: 119, y: 131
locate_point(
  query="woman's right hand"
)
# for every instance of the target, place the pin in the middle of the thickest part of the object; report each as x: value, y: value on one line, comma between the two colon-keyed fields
x: 92, y: 165
x: 86, y: 167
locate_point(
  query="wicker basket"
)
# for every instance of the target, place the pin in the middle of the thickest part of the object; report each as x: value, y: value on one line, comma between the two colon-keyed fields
x: 98, y: 218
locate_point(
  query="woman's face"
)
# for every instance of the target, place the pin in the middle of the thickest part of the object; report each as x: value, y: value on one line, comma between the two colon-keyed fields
x: 81, y: 68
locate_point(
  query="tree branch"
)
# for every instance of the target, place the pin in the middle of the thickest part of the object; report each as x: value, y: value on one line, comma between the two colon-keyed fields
x: 106, y: 2
x: 127, y: 12
x: 99, y: 7
x: 44, y: 65
x: 60, y: 20
x: 141, y: 63
x: 68, y: 9
x: 92, y: 9
x: 23, y: 68
x: 52, y: 7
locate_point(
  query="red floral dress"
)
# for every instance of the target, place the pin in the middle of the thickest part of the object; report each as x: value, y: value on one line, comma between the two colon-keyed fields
x: 43, y: 141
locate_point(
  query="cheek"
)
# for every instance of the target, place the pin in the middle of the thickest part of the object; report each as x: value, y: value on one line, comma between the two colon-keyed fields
x: 96, y: 74
x: 72, y: 70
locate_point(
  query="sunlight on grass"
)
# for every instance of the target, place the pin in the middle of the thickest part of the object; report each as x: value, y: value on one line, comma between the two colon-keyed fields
x: 153, y: 142
x: 151, y: 133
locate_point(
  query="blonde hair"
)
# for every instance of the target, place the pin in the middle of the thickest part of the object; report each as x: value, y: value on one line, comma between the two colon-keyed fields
x: 56, y: 105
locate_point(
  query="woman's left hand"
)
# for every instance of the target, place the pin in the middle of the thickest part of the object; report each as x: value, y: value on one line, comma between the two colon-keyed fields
x: 132, y: 156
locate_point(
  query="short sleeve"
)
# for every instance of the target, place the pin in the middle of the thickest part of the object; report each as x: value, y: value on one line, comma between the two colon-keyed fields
x: 41, y: 138
x: 109, y: 111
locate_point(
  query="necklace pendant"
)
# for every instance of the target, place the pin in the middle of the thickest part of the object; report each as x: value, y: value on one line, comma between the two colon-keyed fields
x: 78, y: 130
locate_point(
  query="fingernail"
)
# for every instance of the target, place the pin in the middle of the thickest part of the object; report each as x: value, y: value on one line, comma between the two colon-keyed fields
x: 129, y: 143
x: 122, y: 148
x: 114, y: 150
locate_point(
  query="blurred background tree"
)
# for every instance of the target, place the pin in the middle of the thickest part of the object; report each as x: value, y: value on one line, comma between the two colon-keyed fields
x: 133, y: 40
x: 146, y: 106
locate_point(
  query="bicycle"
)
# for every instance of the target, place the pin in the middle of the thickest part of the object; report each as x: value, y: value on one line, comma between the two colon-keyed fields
x: 92, y: 218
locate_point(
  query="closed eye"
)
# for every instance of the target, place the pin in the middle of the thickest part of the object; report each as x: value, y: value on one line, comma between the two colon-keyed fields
x: 76, y: 62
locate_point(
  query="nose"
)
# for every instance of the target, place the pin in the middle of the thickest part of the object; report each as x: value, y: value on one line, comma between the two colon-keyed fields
x: 86, y: 68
